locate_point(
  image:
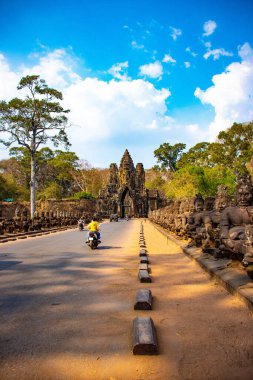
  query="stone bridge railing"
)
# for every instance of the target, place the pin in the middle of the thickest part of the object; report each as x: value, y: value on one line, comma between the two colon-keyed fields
x: 219, y: 225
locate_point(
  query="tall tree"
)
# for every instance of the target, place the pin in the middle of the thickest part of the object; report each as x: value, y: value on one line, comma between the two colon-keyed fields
x: 198, y: 155
x: 234, y: 147
x: 33, y: 121
x: 168, y: 155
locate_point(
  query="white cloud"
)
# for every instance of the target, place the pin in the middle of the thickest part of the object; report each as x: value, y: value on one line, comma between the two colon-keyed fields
x: 8, y: 79
x: 109, y: 114
x: 152, y: 70
x: 187, y: 65
x: 113, y: 109
x: 167, y: 58
x: 119, y: 71
x: 56, y: 67
x: 188, y: 49
x: 135, y: 45
x: 208, y: 44
x: 175, y: 33
x: 231, y: 95
x: 216, y: 53
x: 209, y: 27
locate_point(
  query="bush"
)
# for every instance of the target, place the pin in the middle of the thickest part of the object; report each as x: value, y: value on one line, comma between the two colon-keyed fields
x: 82, y: 195
x: 52, y: 191
x: 190, y: 180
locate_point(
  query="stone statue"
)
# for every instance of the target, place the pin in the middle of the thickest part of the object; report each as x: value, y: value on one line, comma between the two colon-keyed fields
x: 196, y: 228
x: 236, y: 223
x: 212, y: 222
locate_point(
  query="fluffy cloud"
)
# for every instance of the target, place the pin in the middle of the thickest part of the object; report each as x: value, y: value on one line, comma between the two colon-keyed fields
x: 216, y: 53
x: 109, y: 114
x: 119, y: 71
x: 168, y: 59
x: 231, y: 95
x: 152, y: 70
x: 188, y: 49
x: 8, y: 79
x: 56, y: 67
x: 175, y: 33
x: 187, y: 65
x: 209, y: 27
x: 108, y: 108
x: 135, y: 45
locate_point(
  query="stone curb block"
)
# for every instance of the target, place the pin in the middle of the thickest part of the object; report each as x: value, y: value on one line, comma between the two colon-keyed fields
x: 144, y: 337
x: 144, y: 266
x: 144, y: 260
x: 144, y: 276
x: 143, y: 300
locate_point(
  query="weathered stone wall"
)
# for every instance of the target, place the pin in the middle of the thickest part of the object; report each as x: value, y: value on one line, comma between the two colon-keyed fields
x: 76, y: 208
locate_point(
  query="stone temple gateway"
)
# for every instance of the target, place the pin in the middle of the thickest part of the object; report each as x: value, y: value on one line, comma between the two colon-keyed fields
x: 125, y: 193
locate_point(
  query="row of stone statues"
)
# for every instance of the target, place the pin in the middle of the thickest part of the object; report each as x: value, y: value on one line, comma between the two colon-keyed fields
x: 21, y: 222
x: 220, y: 225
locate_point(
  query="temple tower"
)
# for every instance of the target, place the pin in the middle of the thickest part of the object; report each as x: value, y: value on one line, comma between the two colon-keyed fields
x: 125, y: 193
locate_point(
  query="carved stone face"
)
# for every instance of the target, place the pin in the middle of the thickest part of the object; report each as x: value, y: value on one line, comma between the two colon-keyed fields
x: 244, y: 196
x: 199, y: 206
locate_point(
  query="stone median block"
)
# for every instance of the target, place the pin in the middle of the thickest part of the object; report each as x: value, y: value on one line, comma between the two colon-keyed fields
x: 144, y: 339
x: 144, y: 260
x: 144, y: 276
x: 142, y: 245
x: 144, y: 266
x: 143, y: 300
x: 143, y: 252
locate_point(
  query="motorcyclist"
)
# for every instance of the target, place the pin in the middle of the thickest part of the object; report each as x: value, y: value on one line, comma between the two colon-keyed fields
x: 80, y: 224
x: 93, y: 226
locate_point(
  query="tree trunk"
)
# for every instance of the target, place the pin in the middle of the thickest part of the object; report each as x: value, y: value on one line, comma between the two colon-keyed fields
x: 33, y: 186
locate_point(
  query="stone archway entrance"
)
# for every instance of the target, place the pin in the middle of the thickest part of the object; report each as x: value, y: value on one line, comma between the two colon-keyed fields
x: 126, y: 204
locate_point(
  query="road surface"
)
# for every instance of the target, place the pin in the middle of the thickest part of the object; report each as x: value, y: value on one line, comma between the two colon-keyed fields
x: 66, y: 312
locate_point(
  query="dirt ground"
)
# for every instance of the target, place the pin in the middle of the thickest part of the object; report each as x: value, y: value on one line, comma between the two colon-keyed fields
x: 78, y: 324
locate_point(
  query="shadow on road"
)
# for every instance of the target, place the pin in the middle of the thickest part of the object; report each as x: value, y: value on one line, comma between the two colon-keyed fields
x: 7, y: 264
x: 108, y: 247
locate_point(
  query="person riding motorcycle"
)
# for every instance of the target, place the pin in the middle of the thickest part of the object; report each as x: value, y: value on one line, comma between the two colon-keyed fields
x: 93, y: 226
x: 80, y: 224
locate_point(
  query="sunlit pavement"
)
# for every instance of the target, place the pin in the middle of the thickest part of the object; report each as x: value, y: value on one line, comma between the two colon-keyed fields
x: 67, y: 311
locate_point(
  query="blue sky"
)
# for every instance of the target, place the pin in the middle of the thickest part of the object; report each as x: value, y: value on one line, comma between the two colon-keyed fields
x: 134, y: 74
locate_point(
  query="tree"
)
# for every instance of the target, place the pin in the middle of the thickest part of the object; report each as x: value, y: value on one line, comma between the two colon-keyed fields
x: 89, y: 179
x: 8, y: 188
x: 198, y: 155
x: 168, y: 155
x: 190, y: 180
x: 33, y: 121
x: 234, y: 147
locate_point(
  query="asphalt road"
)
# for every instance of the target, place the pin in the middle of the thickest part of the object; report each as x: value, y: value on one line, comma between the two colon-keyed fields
x: 66, y: 311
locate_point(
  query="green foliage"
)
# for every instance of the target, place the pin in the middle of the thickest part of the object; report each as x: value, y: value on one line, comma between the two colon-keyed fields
x: 167, y: 155
x: 33, y: 121
x: 234, y: 147
x: 190, y: 180
x: 8, y: 188
x: 83, y: 195
x: 52, y: 191
x: 198, y: 155
x: 51, y: 167
x: 219, y: 175
x: 36, y: 119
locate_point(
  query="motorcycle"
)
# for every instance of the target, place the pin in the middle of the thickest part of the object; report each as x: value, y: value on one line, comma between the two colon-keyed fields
x: 81, y: 226
x: 93, y: 240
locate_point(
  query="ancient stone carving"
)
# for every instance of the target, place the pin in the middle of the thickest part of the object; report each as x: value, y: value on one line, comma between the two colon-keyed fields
x: 235, y: 222
x: 125, y: 193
